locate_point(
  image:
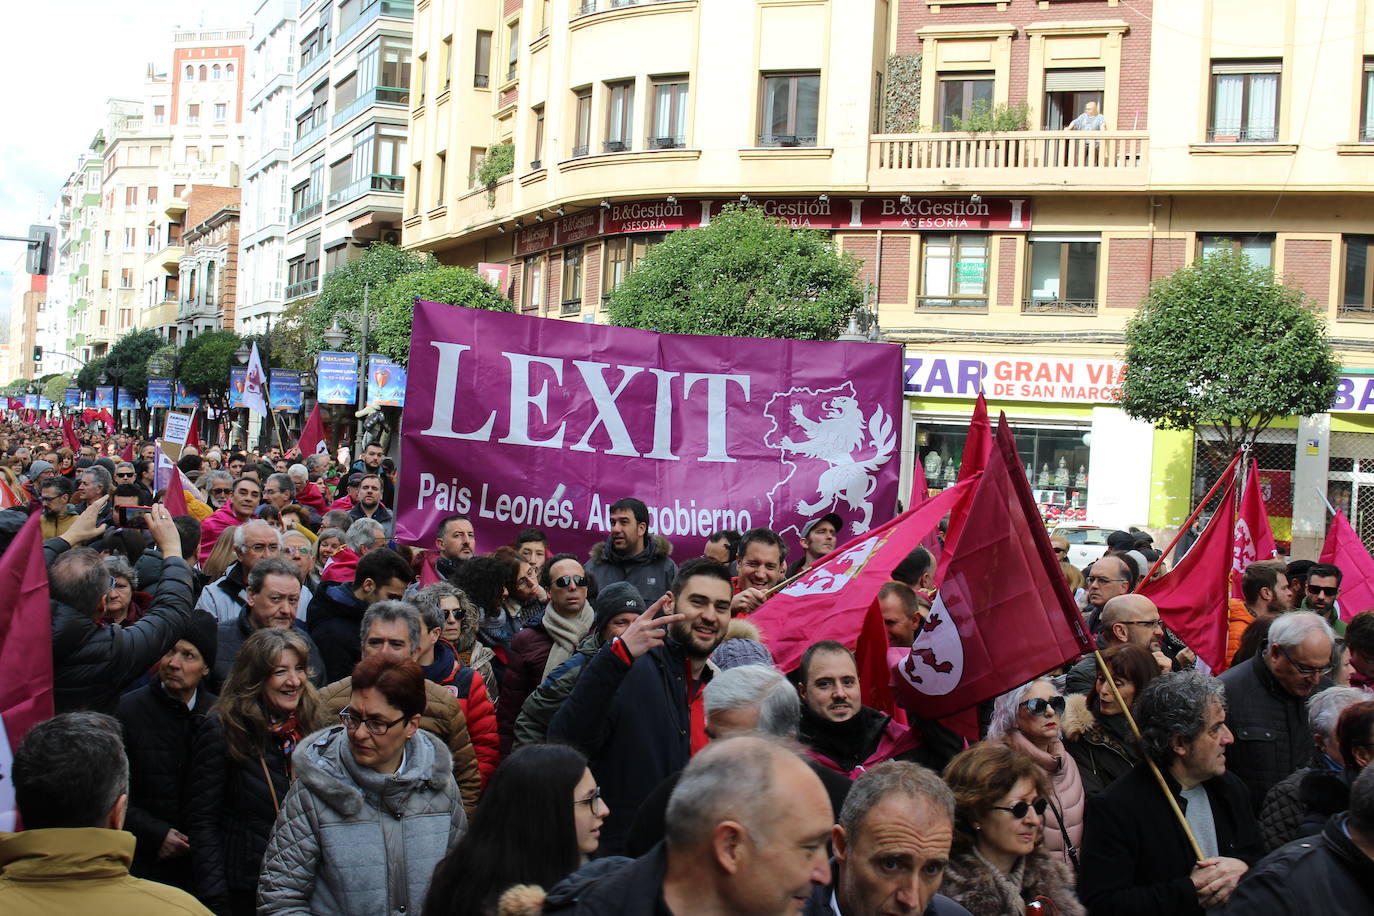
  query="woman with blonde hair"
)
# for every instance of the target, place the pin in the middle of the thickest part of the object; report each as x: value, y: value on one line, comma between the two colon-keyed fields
x: 221, y: 555
x: 998, y: 864
x: 241, y: 765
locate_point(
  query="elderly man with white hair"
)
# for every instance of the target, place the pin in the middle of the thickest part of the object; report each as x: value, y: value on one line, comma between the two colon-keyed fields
x: 1281, y: 816
x: 224, y: 598
x: 1266, y: 698
x: 748, y: 700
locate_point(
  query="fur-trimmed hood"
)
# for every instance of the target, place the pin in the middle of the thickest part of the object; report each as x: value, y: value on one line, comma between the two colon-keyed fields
x: 972, y: 883
x: 1078, y: 717
x: 654, y: 546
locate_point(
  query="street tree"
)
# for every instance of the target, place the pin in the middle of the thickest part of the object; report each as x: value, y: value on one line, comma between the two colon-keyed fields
x: 341, y: 293
x: 458, y: 286
x: 128, y: 359
x: 55, y: 388
x: 746, y: 274
x: 89, y: 375
x: 1225, y: 346
x: 205, y: 364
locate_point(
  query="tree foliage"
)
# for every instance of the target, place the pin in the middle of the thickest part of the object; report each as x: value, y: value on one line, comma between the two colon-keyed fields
x: 89, y: 376
x: 290, y: 337
x: 747, y: 274
x: 1223, y: 345
x: 342, y: 292
x: 206, y: 361
x: 395, y: 303
x: 128, y: 359
x: 55, y: 388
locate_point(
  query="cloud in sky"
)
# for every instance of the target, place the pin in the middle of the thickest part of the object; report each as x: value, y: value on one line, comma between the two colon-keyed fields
x: 64, y: 59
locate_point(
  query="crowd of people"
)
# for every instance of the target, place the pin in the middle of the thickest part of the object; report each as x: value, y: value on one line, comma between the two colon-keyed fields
x: 268, y: 705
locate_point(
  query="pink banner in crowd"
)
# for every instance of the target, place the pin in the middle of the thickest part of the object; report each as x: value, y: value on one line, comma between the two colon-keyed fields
x: 522, y: 422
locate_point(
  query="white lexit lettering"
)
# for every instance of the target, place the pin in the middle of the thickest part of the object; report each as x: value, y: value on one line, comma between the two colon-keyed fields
x: 526, y: 400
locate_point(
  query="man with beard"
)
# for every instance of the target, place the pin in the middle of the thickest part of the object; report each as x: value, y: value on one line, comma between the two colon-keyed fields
x: 637, y: 710
x: 837, y: 730
x: 631, y: 554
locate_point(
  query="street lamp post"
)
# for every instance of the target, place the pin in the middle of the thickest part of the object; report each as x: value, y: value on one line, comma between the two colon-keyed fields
x: 335, y: 338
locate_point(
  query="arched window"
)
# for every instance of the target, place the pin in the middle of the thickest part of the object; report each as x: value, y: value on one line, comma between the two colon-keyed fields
x: 217, y: 73
x: 202, y: 71
x: 228, y: 71
x: 190, y: 72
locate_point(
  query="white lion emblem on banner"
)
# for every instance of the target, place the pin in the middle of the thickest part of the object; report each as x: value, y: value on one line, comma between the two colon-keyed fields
x: 829, y: 427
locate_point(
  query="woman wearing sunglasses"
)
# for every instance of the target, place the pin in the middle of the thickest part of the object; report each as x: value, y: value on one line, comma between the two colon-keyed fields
x: 997, y: 864
x: 373, y: 809
x: 1027, y: 719
x: 539, y: 821
x: 1095, y: 731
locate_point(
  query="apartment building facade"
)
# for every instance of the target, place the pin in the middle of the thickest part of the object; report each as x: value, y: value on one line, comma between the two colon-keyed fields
x: 271, y: 92
x: 78, y: 222
x: 1009, y: 260
x: 349, y: 134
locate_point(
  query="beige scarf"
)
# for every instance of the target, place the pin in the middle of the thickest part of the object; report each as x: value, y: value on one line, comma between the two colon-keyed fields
x: 567, y: 632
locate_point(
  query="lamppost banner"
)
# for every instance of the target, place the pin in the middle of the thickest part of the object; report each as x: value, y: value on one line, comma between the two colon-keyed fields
x: 159, y: 393
x: 238, y: 378
x: 185, y: 398
x: 386, y: 382
x: 525, y: 422
x: 71, y: 397
x: 104, y: 396
x: 284, y: 390
x: 338, y: 377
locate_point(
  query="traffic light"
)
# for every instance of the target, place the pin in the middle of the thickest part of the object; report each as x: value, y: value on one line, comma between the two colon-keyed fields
x: 40, y: 250
x: 38, y: 353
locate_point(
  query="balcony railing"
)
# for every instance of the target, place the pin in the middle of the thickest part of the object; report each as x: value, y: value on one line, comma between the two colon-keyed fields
x: 306, y: 213
x: 1059, y: 306
x: 620, y: 145
x: 591, y: 6
x: 309, y: 138
x: 1018, y: 150
x: 665, y: 142
x: 397, y: 9
x: 579, y: 151
x: 948, y: 304
x: 390, y: 184
x: 303, y: 288
x: 378, y: 95
x: 1242, y: 134
x: 310, y: 64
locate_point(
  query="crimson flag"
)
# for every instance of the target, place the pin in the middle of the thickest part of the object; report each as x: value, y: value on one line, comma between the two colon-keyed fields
x: 429, y: 572
x: 1193, y: 597
x: 127, y: 453
x: 1344, y: 549
x: 312, y: 440
x: 192, y: 433
x: 837, y: 598
x: 25, y: 652
x: 10, y: 497
x: 977, y: 448
x: 1254, y: 539
x: 1003, y: 614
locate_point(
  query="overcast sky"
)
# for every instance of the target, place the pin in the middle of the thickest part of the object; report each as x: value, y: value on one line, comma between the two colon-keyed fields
x: 62, y: 59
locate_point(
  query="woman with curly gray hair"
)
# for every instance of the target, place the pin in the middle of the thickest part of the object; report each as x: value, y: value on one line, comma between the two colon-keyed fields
x: 1027, y: 718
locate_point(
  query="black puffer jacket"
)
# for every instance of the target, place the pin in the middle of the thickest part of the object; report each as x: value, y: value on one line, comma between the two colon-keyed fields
x: 1269, y: 724
x: 334, y: 620
x: 1281, y: 817
x: 158, y: 730
x: 1323, y: 793
x: 1102, y: 746
x: 230, y: 815
x: 1326, y: 874
x: 91, y: 663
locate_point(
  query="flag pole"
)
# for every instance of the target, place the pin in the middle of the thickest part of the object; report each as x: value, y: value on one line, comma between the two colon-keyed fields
x: 1329, y: 508
x: 1106, y: 675
x: 1189, y: 523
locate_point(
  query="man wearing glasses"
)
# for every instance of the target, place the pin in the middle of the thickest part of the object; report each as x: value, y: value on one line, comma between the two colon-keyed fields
x: 1323, y: 588
x: 55, y: 496
x: 228, y: 595
x: 1126, y: 620
x: 1110, y: 576
x: 1267, y: 701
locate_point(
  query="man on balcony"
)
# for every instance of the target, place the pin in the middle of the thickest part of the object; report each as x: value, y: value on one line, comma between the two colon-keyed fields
x: 1090, y: 119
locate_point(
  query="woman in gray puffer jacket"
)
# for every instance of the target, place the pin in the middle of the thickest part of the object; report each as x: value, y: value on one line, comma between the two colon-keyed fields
x: 373, y: 810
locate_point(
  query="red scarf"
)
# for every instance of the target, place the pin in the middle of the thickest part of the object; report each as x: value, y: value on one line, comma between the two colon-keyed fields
x: 288, y: 733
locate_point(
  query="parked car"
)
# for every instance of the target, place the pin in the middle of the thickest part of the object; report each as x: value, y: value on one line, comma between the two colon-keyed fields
x: 1087, y: 543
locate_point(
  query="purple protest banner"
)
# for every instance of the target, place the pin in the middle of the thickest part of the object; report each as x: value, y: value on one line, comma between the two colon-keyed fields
x: 522, y: 422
